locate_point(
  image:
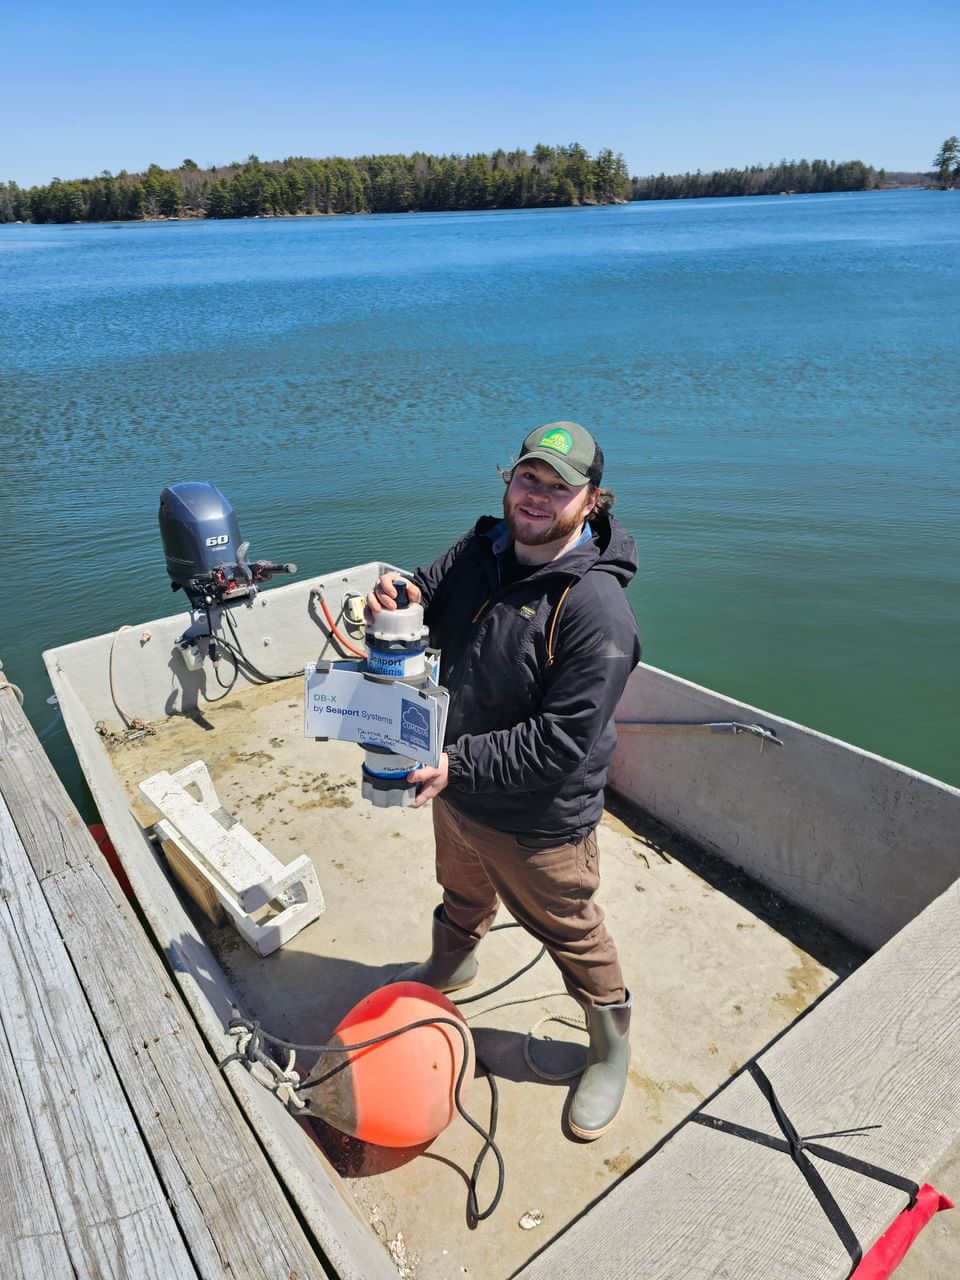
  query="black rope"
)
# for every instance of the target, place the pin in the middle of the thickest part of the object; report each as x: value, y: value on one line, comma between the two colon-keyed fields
x: 510, y: 924
x: 254, y: 1053
x: 797, y: 1148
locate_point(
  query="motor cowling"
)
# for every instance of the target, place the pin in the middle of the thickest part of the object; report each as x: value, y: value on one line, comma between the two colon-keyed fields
x: 201, y: 541
x: 199, y: 530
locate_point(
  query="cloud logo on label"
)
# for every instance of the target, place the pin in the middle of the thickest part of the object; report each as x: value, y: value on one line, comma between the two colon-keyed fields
x: 414, y: 724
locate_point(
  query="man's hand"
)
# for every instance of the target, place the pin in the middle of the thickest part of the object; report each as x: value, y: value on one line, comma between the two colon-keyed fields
x: 430, y: 782
x: 384, y: 594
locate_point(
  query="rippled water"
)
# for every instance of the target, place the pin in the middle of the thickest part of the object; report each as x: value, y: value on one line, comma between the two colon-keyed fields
x: 774, y: 382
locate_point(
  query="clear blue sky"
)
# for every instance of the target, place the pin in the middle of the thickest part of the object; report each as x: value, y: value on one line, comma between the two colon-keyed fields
x: 92, y: 84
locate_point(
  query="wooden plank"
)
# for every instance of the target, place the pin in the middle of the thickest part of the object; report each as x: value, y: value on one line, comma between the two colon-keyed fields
x: 230, y: 1208
x: 196, y: 886
x: 113, y: 1212
x: 31, y: 1241
x: 22, y: 785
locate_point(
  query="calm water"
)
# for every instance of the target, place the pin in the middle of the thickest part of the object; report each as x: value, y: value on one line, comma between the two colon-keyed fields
x: 774, y: 382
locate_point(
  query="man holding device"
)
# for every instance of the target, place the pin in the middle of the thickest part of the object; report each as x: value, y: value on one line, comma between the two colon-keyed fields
x: 537, y: 641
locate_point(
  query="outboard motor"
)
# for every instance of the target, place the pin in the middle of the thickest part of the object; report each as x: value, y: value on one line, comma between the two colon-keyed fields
x: 204, y: 554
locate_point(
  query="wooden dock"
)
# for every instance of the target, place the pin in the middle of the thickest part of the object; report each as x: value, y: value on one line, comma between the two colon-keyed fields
x: 122, y: 1151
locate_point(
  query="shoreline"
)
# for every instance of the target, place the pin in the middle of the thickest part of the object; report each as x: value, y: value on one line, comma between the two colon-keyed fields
x: 194, y: 216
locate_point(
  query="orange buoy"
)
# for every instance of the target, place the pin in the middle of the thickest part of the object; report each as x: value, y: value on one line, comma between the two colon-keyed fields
x: 400, y: 1092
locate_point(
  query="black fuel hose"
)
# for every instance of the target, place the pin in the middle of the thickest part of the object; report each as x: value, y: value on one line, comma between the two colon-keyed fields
x: 236, y: 650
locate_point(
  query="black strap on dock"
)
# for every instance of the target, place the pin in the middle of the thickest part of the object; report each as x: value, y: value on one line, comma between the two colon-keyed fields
x: 797, y: 1148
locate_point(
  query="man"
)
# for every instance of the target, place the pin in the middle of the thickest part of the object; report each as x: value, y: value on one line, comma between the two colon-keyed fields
x: 537, y: 640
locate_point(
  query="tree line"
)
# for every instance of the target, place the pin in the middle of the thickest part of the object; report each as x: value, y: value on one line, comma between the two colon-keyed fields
x: 564, y: 175
x: 801, y: 177
x: 546, y: 176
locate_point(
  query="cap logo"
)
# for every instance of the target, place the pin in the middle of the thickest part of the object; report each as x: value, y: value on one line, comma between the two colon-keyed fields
x: 558, y: 439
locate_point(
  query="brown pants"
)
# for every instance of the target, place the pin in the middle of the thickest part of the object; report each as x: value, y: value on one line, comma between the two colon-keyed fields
x: 548, y: 891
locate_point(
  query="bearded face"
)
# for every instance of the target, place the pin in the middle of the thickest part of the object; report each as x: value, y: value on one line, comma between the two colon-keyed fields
x: 540, y: 508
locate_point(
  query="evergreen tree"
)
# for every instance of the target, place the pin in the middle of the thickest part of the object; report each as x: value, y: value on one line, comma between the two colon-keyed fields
x: 947, y: 162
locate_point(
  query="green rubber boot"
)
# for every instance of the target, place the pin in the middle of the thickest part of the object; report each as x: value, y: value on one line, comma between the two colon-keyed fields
x: 597, y: 1099
x: 451, y: 964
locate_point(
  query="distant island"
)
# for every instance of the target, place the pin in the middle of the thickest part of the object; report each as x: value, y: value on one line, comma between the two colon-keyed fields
x: 789, y: 177
x: 545, y: 177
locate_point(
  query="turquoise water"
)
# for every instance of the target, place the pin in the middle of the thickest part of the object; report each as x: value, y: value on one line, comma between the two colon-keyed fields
x: 774, y: 382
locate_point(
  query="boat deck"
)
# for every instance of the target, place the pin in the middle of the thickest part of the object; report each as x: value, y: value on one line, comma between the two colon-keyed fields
x: 718, y: 968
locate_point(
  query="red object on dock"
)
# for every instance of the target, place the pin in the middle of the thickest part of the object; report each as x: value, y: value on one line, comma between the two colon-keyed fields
x: 891, y: 1249
x: 99, y: 833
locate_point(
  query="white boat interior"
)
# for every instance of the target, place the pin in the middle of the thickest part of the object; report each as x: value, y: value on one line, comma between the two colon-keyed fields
x: 778, y: 897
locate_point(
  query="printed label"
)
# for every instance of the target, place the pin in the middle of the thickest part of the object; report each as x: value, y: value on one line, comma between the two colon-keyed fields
x: 414, y: 724
x: 341, y: 703
x: 386, y: 664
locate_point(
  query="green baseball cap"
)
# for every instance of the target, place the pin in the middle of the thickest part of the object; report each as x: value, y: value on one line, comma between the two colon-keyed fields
x: 569, y: 448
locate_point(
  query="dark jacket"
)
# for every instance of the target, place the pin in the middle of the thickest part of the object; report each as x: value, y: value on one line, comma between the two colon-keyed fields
x: 534, y: 672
